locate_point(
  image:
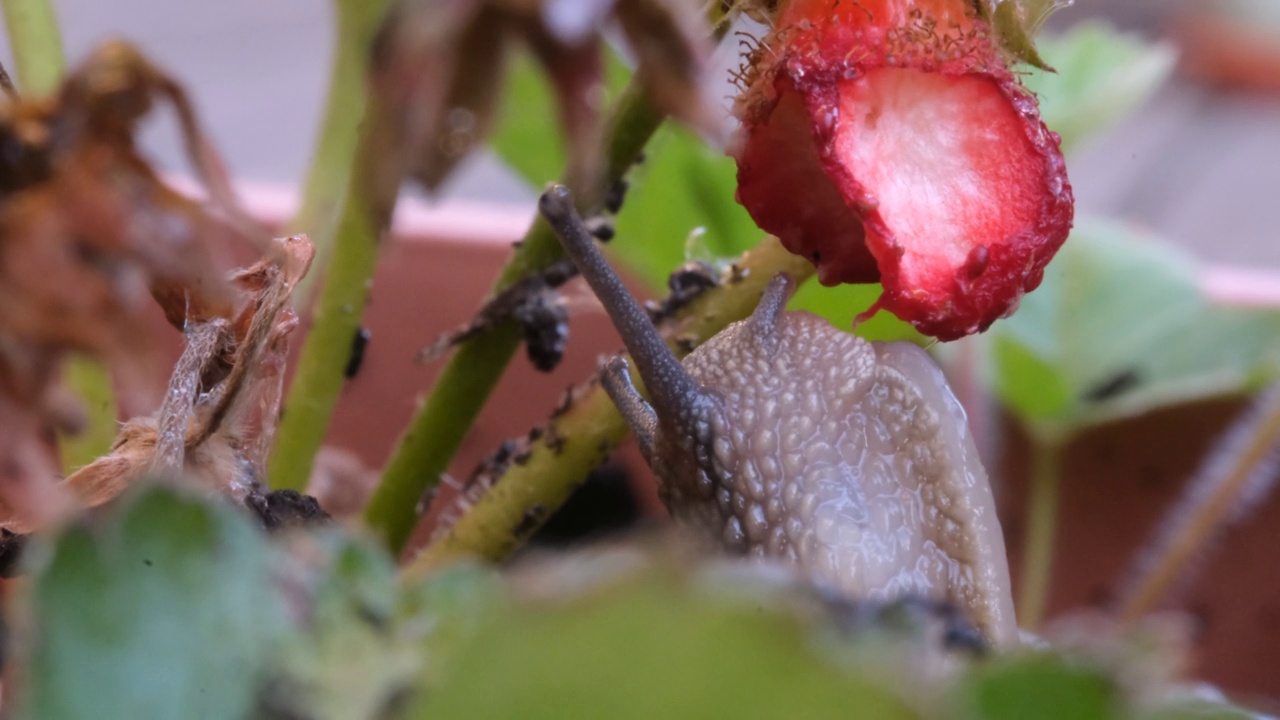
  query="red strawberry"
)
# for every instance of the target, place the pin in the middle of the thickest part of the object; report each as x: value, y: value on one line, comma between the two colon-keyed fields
x: 888, y: 140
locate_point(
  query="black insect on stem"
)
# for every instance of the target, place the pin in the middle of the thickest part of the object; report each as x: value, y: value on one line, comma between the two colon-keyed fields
x: 359, y: 343
x: 544, y: 323
x: 615, y: 195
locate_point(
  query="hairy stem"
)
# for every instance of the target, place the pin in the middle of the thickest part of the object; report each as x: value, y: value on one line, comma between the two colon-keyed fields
x: 36, y: 44
x: 326, y: 183
x: 448, y: 412
x: 1042, y: 529
x: 580, y: 438
x: 1237, y: 475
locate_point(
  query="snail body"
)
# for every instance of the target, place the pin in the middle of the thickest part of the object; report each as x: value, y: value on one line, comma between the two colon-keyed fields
x: 783, y: 437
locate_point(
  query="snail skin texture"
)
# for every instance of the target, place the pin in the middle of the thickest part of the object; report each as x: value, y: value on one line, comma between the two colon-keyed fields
x: 783, y: 437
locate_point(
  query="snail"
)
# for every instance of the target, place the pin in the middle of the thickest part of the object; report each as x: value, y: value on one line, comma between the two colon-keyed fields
x: 783, y: 437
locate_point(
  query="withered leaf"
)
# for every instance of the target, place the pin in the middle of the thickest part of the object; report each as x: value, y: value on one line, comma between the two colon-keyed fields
x: 87, y: 233
x: 211, y: 425
x: 439, y: 68
x: 576, y: 72
x: 469, y: 102
x: 668, y: 39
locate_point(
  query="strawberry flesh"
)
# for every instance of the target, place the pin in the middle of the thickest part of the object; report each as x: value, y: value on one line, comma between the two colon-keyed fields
x: 882, y: 148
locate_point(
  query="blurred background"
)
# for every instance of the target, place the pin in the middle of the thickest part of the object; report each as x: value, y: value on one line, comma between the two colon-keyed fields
x: 1198, y: 164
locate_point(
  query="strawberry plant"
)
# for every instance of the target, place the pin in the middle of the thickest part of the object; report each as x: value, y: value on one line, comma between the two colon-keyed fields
x: 909, y: 154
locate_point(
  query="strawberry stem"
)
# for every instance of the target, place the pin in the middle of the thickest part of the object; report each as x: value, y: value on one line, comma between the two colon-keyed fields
x: 580, y: 437
x: 436, y: 431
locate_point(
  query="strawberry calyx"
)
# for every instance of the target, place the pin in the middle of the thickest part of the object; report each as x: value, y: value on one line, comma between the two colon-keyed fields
x: 887, y: 140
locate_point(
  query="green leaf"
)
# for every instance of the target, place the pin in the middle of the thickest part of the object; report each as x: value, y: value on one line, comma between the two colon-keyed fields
x: 1045, y: 687
x: 1121, y: 327
x: 456, y: 601
x: 1102, y: 75
x: 1032, y: 387
x: 357, y: 654
x: 648, y: 648
x: 840, y: 304
x: 165, y: 611
x: 683, y: 189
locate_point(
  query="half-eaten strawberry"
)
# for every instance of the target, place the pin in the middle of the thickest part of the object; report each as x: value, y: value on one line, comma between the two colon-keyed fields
x: 887, y: 140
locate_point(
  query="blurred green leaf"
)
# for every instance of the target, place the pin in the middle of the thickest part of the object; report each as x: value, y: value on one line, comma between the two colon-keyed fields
x: 1045, y: 687
x: 453, y: 604
x: 681, y: 188
x: 1120, y: 327
x: 1102, y: 75
x: 166, y: 611
x: 357, y: 653
x: 840, y: 304
x: 1029, y: 385
x: 649, y: 648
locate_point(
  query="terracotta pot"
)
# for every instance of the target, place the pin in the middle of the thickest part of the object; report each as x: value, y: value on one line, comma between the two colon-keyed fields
x: 1118, y: 482
x: 1223, y: 43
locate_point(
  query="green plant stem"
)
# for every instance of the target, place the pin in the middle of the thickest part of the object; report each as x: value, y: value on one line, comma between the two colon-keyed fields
x: 1042, y: 529
x: 581, y: 437
x: 326, y: 183
x: 366, y: 213
x: 448, y: 412
x: 36, y: 44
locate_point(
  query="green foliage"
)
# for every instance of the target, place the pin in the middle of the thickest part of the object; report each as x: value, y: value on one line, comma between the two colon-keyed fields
x: 352, y: 656
x: 170, y: 606
x: 647, y: 648
x: 166, y: 611
x: 1042, y: 686
x: 683, y: 189
x: 173, y: 607
x: 1101, y: 76
x: 1121, y: 327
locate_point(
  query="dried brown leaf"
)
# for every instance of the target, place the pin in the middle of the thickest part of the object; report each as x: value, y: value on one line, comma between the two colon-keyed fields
x: 439, y: 67
x: 212, y: 425
x: 668, y: 38
x: 466, y: 113
x: 88, y: 234
x: 576, y: 72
